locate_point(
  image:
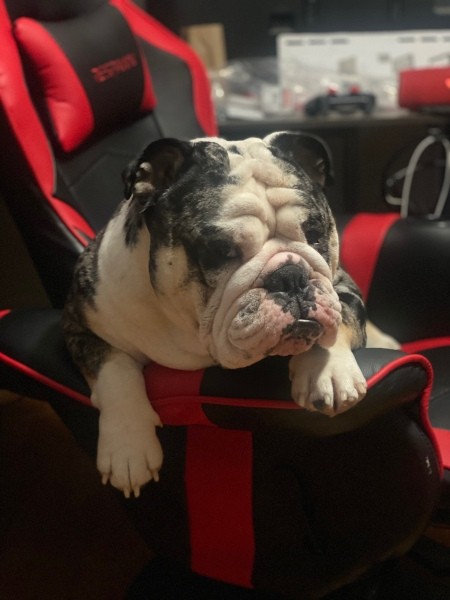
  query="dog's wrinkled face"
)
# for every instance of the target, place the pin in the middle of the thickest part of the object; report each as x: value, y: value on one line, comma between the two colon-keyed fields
x: 243, y: 246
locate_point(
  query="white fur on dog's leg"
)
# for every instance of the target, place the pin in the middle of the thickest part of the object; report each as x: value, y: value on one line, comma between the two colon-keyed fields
x: 378, y: 339
x: 129, y: 453
x: 328, y: 381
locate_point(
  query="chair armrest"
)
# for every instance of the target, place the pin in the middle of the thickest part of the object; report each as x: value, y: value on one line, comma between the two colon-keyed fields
x: 35, y: 361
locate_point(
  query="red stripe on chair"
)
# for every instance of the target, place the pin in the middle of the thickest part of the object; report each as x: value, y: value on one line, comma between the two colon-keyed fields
x: 160, y: 380
x: 361, y: 242
x: 175, y: 395
x: 74, y: 222
x: 51, y: 383
x: 23, y: 120
x: 426, y: 344
x: 19, y: 109
x: 177, y: 398
x: 220, y: 504
x: 148, y: 102
x: 443, y: 440
x: 4, y: 312
x: 144, y: 26
x: 67, y: 102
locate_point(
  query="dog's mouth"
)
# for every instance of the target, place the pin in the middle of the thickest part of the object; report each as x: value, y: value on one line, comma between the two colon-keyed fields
x: 297, y: 337
x: 305, y: 328
x: 266, y: 325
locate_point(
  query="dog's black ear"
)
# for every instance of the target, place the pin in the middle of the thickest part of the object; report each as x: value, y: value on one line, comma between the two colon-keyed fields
x: 156, y: 168
x: 307, y: 151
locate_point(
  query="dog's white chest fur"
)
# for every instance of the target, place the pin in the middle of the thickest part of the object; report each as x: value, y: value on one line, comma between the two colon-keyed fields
x: 130, y: 316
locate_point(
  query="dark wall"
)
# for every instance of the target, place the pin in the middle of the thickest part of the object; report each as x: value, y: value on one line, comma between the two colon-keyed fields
x: 251, y: 25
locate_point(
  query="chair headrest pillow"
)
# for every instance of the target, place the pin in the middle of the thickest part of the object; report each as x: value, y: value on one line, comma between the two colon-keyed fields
x: 87, y: 73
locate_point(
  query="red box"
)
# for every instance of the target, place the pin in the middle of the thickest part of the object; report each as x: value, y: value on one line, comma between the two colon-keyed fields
x: 419, y: 88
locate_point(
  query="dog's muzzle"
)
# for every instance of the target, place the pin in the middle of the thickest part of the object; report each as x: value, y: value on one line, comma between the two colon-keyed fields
x: 290, y: 306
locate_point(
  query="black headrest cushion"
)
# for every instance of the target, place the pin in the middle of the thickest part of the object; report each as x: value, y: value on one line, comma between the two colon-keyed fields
x: 88, y: 71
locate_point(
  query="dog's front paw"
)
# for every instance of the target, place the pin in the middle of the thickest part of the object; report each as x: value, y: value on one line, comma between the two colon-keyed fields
x: 129, y: 454
x: 328, y: 381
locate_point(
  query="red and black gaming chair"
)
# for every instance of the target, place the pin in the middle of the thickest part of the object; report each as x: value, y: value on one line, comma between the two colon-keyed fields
x: 254, y: 491
x: 401, y: 266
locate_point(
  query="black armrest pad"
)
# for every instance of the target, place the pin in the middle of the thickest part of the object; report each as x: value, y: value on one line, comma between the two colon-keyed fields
x: 34, y: 360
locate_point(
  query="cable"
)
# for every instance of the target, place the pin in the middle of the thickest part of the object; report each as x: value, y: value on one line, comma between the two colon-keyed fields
x: 412, y: 168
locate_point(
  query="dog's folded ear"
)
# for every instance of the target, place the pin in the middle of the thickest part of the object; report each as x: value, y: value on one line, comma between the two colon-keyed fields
x: 156, y: 168
x: 306, y: 151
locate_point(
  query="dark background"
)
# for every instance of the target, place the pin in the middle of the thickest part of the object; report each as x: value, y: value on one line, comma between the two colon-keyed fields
x: 251, y: 25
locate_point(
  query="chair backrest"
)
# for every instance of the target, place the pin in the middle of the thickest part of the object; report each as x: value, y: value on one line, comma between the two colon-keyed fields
x: 84, y: 86
x: 401, y: 266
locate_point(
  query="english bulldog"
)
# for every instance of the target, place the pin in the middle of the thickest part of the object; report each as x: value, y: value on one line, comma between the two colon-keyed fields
x: 222, y: 253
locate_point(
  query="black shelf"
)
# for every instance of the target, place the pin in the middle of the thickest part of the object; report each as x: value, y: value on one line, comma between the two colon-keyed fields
x: 364, y: 149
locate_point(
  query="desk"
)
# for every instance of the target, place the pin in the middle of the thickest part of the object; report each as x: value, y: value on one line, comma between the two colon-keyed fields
x: 362, y: 148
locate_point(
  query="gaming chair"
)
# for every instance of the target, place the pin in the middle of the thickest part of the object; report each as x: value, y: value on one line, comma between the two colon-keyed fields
x: 401, y: 267
x: 254, y: 491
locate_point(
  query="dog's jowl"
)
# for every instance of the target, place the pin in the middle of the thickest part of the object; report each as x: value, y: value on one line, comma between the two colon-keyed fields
x: 222, y: 253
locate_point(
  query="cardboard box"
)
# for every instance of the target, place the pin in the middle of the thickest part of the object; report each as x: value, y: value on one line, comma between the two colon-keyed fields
x: 208, y: 41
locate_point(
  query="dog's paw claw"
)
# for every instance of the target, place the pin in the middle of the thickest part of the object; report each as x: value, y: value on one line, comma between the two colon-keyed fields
x: 128, y: 456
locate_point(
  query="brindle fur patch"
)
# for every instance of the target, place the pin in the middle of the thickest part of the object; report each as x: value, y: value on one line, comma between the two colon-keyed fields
x: 87, y: 349
x: 353, y: 308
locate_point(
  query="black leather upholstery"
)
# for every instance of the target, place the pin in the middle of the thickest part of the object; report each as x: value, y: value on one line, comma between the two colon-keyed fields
x: 411, y: 280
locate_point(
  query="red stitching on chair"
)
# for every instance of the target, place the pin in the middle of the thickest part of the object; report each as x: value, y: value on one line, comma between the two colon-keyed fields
x: 425, y: 399
x: 74, y: 221
x: 426, y: 344
x: 51, y: 383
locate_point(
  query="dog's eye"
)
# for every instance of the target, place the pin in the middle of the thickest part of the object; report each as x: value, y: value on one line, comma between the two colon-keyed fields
x: 313, y: 236
x: 216, y: 253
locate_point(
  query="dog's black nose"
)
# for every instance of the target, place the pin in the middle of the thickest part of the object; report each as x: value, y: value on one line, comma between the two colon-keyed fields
x: 289, y: 279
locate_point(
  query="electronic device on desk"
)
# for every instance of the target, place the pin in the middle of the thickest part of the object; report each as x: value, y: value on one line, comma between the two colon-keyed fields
x: 345, y: 104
